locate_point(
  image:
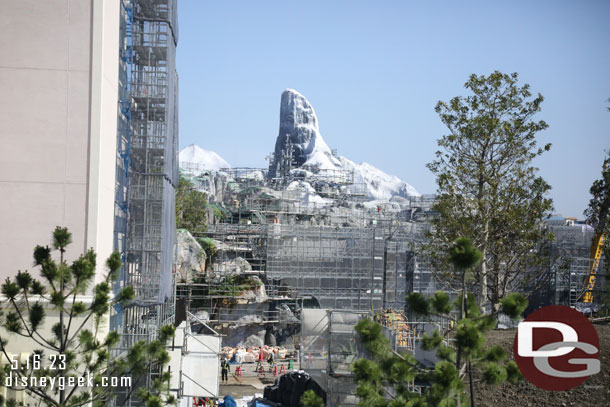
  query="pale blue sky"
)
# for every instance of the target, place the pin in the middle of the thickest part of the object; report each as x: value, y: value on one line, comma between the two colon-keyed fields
x: 374, y: 70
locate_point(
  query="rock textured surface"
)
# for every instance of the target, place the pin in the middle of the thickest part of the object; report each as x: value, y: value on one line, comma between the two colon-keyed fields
x: 190, y: 257
x: 299, y: 127
x: 232, y: 267
x: 299, y: 135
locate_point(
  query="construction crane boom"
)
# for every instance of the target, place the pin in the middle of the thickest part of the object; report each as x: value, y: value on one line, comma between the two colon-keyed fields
x: 598, y: 217
x: 596, y: 255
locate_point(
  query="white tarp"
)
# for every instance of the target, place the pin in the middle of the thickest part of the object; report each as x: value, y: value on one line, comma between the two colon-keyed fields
x: 314, y: 344
x: 200, y: 364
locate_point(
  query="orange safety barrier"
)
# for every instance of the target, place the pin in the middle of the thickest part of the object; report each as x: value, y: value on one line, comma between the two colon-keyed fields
x: 261, y: 371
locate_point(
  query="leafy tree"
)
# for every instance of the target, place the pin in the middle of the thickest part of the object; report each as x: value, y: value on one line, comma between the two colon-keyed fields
x: 208, y: 245
x: 598, y: 216
x: 191, y: 207
x: 598, y: 212
x: 387, y: 378
x: 488, y: 187
x: 78, y: 346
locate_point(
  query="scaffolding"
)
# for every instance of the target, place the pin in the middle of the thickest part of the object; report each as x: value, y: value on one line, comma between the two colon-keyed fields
x: 341, y: 267
x: 146, y: 168
x: 569, y: 276
x: 570, y: 263
x: 330, y: 345
x: 121, y: 210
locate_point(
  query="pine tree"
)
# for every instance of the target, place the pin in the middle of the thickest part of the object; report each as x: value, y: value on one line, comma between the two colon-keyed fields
x: 311, y: 399
x: 488, y: 188
x: 386, y: 378
x: 78, y: 346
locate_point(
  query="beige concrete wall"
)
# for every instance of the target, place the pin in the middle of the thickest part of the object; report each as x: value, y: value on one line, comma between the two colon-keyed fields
x: 50, y: 133
x: 103, y: 126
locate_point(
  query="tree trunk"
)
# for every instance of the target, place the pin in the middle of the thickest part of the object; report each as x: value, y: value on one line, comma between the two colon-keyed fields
x: 483, y: 281
x: 463, y: 309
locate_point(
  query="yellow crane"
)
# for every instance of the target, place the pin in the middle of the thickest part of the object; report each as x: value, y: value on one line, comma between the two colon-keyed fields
x: 597, y: 246
x: 595, y: 256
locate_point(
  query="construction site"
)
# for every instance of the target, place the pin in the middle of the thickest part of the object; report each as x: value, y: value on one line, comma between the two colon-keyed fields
x: 295, y: 274
x: 146, y: 172
x: 292, y: 256
x: 250, y: 280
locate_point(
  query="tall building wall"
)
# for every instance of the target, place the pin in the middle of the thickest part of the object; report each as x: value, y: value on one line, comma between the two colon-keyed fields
x: 58, y: 75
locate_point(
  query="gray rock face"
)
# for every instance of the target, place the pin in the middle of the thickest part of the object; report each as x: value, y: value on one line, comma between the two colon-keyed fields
x: 298, y: 125
x: 213, y: 183
x: 255, y: 340
x: 244, y: 335
x: 232, y: 267
x: 190, y: 257
x: 256, y: 295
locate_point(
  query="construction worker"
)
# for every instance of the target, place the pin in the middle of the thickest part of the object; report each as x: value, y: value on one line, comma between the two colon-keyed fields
x: 260, y: 360
x: 271, y: 360
x: 224, y: 368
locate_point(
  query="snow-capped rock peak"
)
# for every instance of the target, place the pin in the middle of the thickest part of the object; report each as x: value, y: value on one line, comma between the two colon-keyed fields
x: 300, y: 144
x: 299, y: 132
x: 194, y: 157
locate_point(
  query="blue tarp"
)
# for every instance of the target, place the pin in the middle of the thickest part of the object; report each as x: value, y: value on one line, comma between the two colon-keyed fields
x: 261, y: 403
x: 229, y: 401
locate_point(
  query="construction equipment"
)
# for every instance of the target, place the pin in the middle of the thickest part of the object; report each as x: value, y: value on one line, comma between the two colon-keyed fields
x: 596, y: 255
x: 598, y: 219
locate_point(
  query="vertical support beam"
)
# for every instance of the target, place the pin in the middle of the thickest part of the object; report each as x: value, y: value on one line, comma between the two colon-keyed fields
x: 102, y: 129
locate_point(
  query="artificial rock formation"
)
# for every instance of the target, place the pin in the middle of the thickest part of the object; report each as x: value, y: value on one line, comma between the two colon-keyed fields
x: 190, y: 257
x: 299, y: 132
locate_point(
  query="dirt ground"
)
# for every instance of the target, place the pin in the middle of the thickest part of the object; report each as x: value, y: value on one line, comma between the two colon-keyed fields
x: 594, y: 392
x: 251, y: 383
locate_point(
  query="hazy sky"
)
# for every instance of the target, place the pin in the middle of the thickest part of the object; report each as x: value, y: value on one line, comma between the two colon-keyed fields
x: 374, y: 70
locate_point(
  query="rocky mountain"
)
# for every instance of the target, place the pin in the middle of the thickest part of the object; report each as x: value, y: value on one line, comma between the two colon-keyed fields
x: 378, y: 185
x: 300, y: 148
x: 204, y: 159
x: 299, y: 132
x: 299, y: 138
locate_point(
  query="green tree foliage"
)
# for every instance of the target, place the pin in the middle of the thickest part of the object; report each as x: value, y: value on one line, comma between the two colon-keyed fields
x: 78, y: 342
x: 386, y: 378
x: 598, y: 216
x: 235, y: 285
x: 598, y: 212
x: 208, y: 245
x: 191, y: 207
x: 488, y: 187
x: 311, y: 399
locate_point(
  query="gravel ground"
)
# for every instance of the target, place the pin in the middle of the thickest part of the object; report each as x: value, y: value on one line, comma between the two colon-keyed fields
x: 594, y: 392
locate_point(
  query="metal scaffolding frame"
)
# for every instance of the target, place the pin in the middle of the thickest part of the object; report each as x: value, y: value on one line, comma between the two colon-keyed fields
x: 570, y: 263
x: 341, y: 267
x: 147, y: 167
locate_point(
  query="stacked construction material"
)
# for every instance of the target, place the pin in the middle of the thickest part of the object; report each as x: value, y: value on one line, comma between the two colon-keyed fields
x: 252, y: 354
